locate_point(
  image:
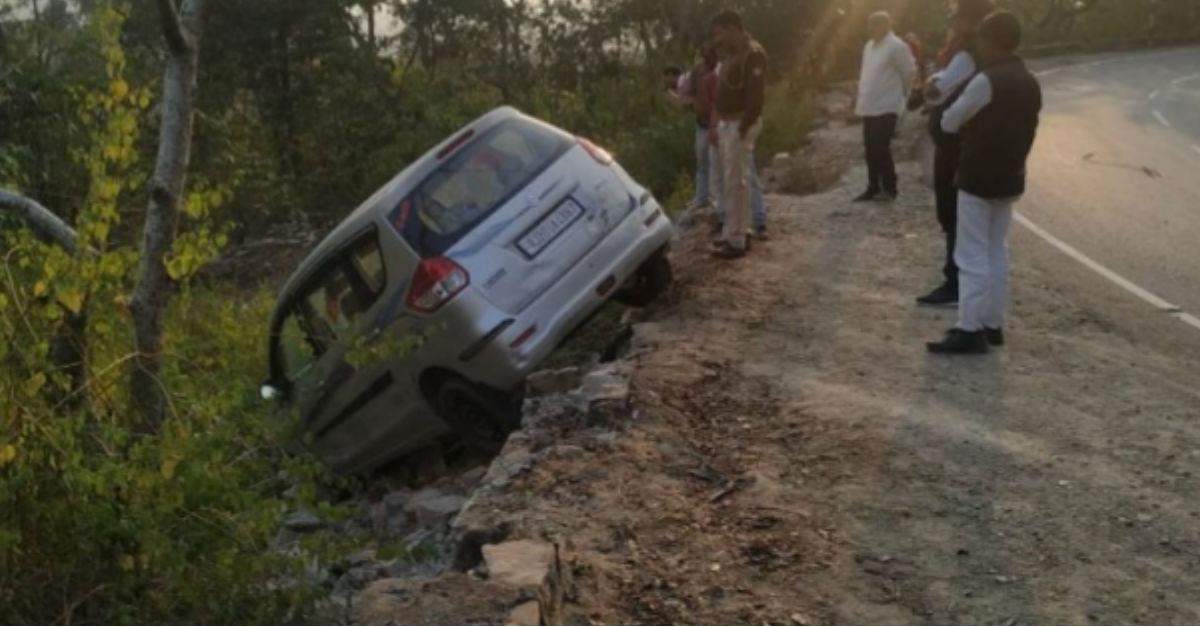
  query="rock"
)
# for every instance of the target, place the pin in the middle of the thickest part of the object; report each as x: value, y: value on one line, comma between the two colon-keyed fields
x: 303, y: 521
x: 361, y: 558
x: 527, y: 613
x: 531, y: 568
x: 546, y: 382
x: 512, y: 462
x: 564, y: 451
x: 433, y: 509
x: 605, y: 384
x: 380, y: 602
x: 472, y: 477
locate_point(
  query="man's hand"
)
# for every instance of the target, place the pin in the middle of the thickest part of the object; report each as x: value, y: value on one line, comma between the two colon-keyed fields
x: 931, y: 90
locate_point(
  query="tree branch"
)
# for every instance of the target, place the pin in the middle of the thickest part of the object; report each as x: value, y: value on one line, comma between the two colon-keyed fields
x: 172, y: 27
x: 40, y: 220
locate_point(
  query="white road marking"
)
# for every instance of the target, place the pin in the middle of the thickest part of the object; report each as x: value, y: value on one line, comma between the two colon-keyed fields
x: 1153, y: 299
x: 1129, y: 286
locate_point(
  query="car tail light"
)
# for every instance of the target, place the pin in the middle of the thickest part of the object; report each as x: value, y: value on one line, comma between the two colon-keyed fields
x: 436, y: 281
x: 602, y: 156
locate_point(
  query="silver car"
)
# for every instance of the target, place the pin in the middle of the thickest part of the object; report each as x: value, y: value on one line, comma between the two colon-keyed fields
x: 422, y: 313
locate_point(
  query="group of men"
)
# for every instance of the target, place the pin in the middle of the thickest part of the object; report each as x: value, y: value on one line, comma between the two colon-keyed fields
x: 727, y: 91
x: 983, y: 107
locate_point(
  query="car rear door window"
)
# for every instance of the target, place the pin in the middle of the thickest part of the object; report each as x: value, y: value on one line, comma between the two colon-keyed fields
x: 474, y: 182
x: 341, y: 292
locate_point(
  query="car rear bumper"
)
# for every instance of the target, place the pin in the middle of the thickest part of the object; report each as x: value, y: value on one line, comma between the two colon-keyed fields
x: 567, y: 303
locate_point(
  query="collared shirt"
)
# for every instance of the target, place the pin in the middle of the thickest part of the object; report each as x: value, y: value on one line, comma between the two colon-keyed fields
x: 888, y: 69
x: 956, y: 74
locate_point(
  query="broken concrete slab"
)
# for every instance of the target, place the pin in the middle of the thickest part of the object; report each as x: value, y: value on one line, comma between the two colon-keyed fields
x: 532, y: 568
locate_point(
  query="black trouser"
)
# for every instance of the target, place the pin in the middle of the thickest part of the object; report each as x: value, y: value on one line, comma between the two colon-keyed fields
x: 945, y: 167
x: 881, y: 169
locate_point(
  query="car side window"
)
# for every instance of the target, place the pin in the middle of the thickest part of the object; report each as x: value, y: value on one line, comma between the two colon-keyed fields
x: 343, y: 291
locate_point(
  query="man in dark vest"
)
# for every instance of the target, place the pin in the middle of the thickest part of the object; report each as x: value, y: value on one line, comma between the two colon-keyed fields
x: 996, y: 118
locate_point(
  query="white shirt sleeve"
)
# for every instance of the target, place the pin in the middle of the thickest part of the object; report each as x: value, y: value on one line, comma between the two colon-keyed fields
x: 960, y: 70
x: 905, y: 63
x: 977, y: 95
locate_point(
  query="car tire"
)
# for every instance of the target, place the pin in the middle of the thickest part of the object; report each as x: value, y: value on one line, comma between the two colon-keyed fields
x: 481, y: 417
x: 652, y: 279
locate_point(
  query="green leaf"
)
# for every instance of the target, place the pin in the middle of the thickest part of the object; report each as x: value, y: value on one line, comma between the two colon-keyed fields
x: 35, y: 384
x: 72, y: 300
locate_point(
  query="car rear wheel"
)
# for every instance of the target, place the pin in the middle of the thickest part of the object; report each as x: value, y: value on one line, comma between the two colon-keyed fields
x: 650, y: 282
x: 481, y: 417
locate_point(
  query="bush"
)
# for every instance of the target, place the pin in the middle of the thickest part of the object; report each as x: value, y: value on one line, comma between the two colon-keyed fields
x: 103, y: 524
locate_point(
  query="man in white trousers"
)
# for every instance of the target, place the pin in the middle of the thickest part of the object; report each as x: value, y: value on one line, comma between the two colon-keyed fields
x: 997, y: 119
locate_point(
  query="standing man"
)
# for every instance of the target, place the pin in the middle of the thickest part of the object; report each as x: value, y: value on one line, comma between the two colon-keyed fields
x: 703, y: 87
x: 741, y: 91
x: 997, y: 119
x: 888, y: 69
x: 957, y: 63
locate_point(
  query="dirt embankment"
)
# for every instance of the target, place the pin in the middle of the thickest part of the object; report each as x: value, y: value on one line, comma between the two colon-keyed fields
x: 786, y: 452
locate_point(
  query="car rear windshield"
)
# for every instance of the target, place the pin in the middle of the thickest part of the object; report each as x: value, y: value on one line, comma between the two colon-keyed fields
x: 474, y: 182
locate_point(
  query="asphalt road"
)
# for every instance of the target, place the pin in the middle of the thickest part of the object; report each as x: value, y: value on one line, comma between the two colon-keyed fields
x: 1116, y: 169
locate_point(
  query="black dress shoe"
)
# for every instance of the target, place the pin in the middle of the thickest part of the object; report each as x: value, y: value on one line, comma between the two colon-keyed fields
x: 760, y: 233
x: 944, y: 296
x: 959, y: 342
x: 726, y: 251
x: 995, y: 337
x: 867, y: 196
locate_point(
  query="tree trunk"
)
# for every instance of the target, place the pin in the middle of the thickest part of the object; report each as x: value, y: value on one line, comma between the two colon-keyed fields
x: 182, y: 30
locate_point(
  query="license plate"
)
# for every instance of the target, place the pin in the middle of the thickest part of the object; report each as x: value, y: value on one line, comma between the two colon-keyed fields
x: 551, y: 226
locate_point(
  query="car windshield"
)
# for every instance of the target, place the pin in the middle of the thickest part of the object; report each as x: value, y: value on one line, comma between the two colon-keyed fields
x: 474, y: 182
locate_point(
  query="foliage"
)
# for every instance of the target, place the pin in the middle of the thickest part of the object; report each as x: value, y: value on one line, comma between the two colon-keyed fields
x: 108, y: 524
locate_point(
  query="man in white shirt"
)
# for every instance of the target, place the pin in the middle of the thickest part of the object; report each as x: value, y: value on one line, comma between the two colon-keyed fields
x: 997, y: 119
x: 888, y: 69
